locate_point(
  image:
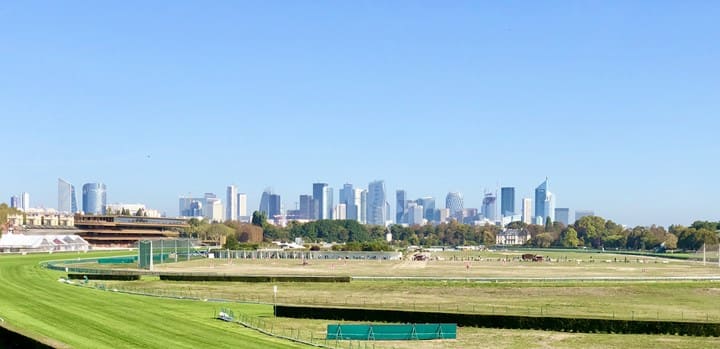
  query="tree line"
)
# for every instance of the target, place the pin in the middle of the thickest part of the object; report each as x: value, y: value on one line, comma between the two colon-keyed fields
x: 590, y: 231
x: 596, y: 232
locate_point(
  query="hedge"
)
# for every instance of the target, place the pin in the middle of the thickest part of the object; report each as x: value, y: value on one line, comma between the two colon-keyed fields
x: 252, y: 278
x: 505, y: 321
x: 121, y: 277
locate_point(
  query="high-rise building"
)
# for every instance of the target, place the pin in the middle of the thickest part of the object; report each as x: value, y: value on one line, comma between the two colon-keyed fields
x: 14, y: 202
x: 428, y: 204
x: 94, y: 198
x: 191, y: 207
x: 489, y: 207
x: 544, y: 203
x: 67, y: 202
x: 562, y: 215
x: 527, y: 216
x: 330, y: 203
x: 356, y: 206
x: 306, y: 207
x: 346, y: 195
x: 376, y: 203
x: 265, y: 202
x: 24, y: 201
x: 242, y: 206
x: 401, y: 205
x: 415, y: 214
x: 195, y: 208
x: 321, y: 205
x: 214, y: 209
x: 362, y: 210
x: 582, y: 213
x: 507, y: 201
x: 275, y: 206
x: 454, y: 202
x: 231, y: 208
x: 340, y: 211
x: 443, y: 214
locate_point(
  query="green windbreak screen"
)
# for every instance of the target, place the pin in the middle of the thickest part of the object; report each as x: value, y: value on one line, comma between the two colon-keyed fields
x: 392, y: 332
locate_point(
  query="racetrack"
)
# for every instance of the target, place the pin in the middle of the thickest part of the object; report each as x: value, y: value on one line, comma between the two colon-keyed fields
x: 32, y: 301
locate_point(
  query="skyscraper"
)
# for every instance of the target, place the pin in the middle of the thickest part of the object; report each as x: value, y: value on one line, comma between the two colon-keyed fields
x: 363, y: 217
x: 376, y: 203
x: 330, y: 203
x: 214, y: 209
x: 242, y: 206
x: 346, y: 194
x: 94, y: 198
x: 489, y: 206
x: 320, y: 201
x: 67, y: 202
x: 340, y: 211
x: 306, y: 206
x: 356, y: 208
x: 428, y: 204
x: 544, y: 203
x: 401, y: 205
x: 454, y: 202
x: 14, y: 202
x: 275, y: 207
x: 265, y: 202
x: 24, y: 201
x: 507, y: 201
x: 231, y: 201
x: 414, y: 214
x: 562, y: 215
x: 582, y: 213
x: 527, y: 216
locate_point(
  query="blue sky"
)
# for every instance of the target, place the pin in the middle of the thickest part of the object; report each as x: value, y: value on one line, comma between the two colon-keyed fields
x: 617, y: 102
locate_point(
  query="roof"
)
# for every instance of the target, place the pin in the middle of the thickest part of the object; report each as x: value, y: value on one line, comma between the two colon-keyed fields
x: 38, y: 241
x: 514, y: 232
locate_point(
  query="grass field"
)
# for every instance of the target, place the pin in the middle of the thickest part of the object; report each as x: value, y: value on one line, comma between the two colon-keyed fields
x: 32, y: 300
x: 462, y: 265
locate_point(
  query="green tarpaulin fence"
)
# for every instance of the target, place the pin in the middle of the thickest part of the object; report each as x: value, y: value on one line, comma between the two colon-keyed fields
x: 392, y: 332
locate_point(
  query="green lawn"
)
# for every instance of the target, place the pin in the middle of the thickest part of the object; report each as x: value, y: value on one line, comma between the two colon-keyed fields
x: 66, y: 316
x: 31, y: 300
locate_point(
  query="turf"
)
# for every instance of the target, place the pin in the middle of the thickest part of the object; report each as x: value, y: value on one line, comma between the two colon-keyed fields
x: 32, y: 301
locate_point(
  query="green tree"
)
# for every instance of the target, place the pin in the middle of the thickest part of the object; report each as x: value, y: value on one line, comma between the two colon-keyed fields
x: 217, y: 231
x: 542, y: 240
x: 570, y: 238
x: 259, y: 219
x: 548, y: 224
x: 670, y: 241
x: 231, y: 243
x: 140, y: 212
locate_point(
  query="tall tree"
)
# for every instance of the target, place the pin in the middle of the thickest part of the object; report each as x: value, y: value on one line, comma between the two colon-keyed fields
x: 259, y: 218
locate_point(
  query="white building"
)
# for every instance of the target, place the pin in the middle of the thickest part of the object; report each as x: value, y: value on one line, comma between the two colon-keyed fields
x: 242, y: 207
x: 231, y: 209
x: 415, y: 214
x: 25, y: 201
x: 512, y: 237
x: 214, y: 210
x: 527, y: 215
x: 340, y: 211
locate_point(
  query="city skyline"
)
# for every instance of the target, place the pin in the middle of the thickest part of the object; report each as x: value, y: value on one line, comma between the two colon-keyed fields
x: 615, y: 103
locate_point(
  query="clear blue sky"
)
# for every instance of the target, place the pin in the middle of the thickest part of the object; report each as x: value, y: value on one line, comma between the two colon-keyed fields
x: 616, y: 101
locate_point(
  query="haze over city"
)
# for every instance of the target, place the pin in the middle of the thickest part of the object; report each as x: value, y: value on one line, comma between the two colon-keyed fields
x: 617, y: 111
